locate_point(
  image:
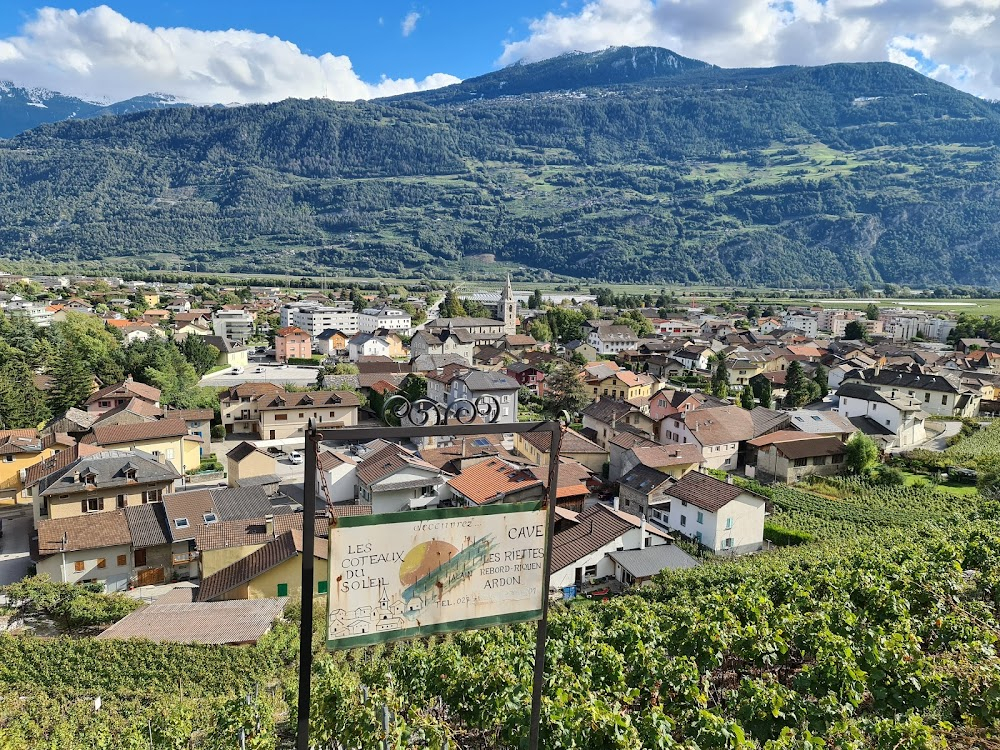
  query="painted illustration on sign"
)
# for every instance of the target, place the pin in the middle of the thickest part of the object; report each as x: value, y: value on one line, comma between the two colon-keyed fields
x: 413, y: 573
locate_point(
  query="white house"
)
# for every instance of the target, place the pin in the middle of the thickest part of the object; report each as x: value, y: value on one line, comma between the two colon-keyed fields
x: 580, y: 550
x: 902, y: 416
x: 389, y: 318
x: 722, y: 516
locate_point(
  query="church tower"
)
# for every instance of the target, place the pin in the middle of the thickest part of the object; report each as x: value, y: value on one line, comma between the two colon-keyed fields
x: 508, y: 306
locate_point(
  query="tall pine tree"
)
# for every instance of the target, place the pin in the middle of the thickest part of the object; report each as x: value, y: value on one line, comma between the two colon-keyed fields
x: 71, y: 381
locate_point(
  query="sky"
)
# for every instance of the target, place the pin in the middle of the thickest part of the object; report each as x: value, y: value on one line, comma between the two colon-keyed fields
x: 206, y: 51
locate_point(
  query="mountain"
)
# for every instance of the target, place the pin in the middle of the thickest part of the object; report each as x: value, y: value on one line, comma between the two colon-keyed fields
x: 24, y: 108
x: 585, y: 166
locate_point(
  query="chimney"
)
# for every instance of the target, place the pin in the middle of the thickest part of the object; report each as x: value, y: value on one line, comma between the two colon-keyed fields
x: 614, y: 502
x: 269, y: 525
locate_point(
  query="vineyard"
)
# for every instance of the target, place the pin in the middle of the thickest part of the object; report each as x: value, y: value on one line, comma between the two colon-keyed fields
x: 979, y: 448
x: 861, y: 508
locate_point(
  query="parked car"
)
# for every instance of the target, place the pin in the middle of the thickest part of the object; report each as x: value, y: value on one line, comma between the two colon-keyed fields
x: 295, y: 457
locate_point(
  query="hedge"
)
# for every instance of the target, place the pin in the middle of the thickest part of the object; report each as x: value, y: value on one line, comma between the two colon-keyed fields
x: 784, y: 537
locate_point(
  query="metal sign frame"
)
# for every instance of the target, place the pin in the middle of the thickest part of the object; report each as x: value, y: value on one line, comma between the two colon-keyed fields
x: 430, y: 421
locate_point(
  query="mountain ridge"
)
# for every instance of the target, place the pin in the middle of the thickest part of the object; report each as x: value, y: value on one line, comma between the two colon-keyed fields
x: 781, y: 176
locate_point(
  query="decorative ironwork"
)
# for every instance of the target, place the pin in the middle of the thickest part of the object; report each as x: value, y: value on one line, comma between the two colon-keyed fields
x: 425, y: 412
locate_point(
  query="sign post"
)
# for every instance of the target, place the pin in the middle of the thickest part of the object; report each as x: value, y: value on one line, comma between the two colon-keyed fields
x: 416, y: 573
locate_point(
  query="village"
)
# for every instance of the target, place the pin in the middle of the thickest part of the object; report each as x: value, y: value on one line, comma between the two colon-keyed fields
x: 672, y: 416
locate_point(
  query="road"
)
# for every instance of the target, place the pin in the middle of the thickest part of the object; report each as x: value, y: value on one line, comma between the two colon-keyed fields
x: 14, y: 559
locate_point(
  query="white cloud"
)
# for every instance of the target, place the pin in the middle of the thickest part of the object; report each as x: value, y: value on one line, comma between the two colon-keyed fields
x: 955, y: 41
x: 409, y: 24
x: 99, y: 53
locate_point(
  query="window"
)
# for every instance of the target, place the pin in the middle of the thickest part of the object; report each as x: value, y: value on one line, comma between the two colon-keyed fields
x: 78, y: 566
x: 181, y: 523
x: 140, y: 558
x: 122, y: 560
x: 101, y: 562
x: 684, y: 521
x: 729, y: 523
x: 121, y: 501
x: 701, y: 517
x: 93, y: 504
x: 282, y: 589
x: 590, y: 571
x: 322, y: 587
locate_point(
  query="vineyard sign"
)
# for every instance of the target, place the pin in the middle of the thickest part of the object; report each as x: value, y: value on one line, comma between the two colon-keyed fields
x: 406, y: 574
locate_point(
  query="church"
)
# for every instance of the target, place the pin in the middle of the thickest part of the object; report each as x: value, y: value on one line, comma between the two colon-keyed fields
x: 464, y: 336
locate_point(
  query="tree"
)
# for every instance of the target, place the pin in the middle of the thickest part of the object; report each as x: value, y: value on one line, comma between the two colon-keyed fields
x: 821, y: 377
x: 855, y: 331
x: 720, y: 380
x: 565, y: 391
x: 862, y: 454
x: 797, y: 386
x: 764, y: 393
x: 871, y: 312
x: 72, y: 381
x: 452, y: 306
x: 22, y: 405
x: 746, y: 398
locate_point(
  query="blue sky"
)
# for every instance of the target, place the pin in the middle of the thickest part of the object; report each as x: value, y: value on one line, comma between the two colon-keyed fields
x: 460, y: 38
x: 251, y: 51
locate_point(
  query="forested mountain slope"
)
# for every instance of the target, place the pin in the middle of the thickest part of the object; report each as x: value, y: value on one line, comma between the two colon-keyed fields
x: 676, y: 173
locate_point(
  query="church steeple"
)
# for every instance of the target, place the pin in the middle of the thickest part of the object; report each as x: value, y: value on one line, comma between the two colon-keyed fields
x: 508, y: 307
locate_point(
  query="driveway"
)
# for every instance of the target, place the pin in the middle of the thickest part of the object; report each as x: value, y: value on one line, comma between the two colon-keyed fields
x: 14, y: 559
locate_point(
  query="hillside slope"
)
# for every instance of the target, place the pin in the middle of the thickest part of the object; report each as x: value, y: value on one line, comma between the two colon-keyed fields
x: 693, y: 173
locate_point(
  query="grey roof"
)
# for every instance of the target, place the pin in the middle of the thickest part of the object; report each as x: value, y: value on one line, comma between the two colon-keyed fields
x: 239, y: 621
x: 235, y: 503
x: 108, y: 469
x: 647, y: 562
x: 147, y: 524
x: 480, y: 380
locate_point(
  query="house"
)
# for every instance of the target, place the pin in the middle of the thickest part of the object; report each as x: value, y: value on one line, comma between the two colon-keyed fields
x: 603, y: 418
x: 101, y: 482
x: 938, y: 395
x: 902, y: 416
x: 273, y: 571
x: 85, y: 549
x: 394, y: 478
x: 22, y: 449
x: 535, y: 446
x: 332, y: 342
x: 612, y: 339
x: 719, y: 430
x: 292, y: 342
x: 112, y: 396
x: 367, y: 345
x: 721, y: 516
x: 166, y: 439
x: 673, y: 460
x: 789, y: 456
x: 585, y: 350
x: 528, y: 376
x: 247, y: 462
x: 580, y: 551
x: 285, y: 415
x: 388, y: 318
x: 495, y: 481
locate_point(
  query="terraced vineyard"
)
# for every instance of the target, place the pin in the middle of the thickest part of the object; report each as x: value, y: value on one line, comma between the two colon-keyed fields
x: 865, y: 509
